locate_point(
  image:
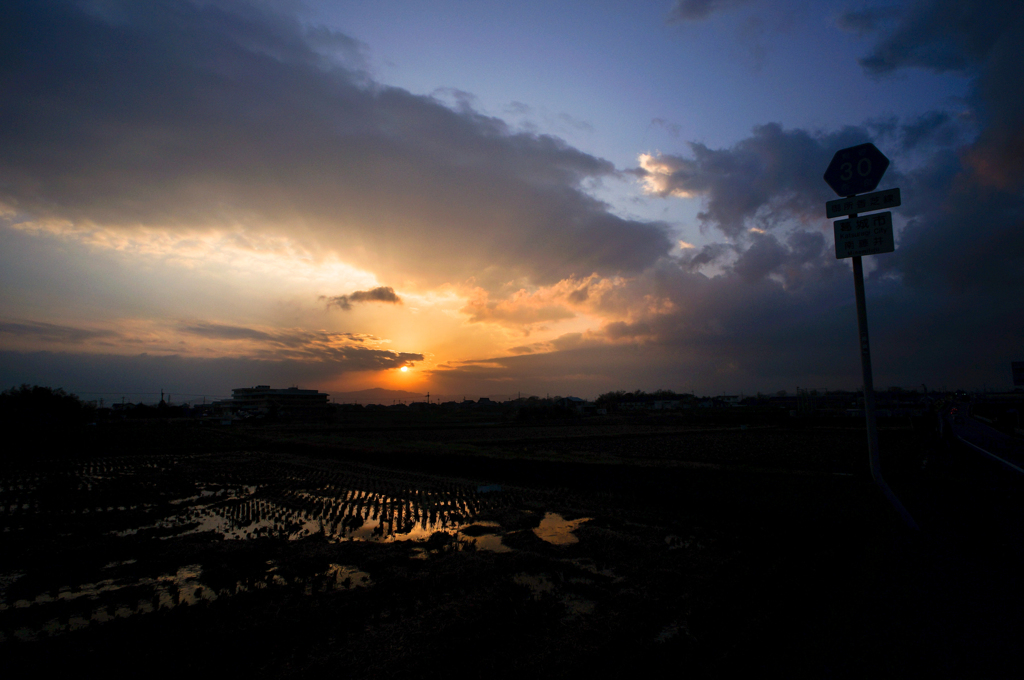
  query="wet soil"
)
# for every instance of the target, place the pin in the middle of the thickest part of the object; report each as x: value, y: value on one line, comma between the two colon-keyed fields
x: 502, y: 551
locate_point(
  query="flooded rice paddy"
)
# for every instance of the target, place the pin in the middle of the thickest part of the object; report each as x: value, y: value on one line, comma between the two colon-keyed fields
x: 575, y: 557
x: 128, y: 503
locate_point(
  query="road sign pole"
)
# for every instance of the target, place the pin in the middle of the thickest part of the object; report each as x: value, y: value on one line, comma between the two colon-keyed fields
x: 874, y: 460
x: 857, y: 170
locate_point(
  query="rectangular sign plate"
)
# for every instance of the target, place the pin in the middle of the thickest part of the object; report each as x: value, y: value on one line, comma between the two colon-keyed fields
x: 879, y: 200
x: 868, y: 235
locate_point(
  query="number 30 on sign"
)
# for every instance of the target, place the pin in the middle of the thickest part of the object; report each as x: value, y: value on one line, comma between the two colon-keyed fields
x: 856, y: 170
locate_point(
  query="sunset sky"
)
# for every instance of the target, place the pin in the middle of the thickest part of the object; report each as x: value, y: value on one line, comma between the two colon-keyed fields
x: 541, y: 197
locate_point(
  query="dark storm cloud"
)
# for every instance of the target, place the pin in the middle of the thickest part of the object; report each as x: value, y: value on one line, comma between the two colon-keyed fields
x: 966, y: 231
x: 304, y: 345
x: 343, y: 48
x: 709, y: 254
x: 727, y: 332
x: 966, y: 237
x: 579, y: 295
x: 763, y: 256
x: 779, y: 311
x: 378, y: 294
x: 348, y: 358
x: 944, y: 35
x: 998, y: 98
x: 766, y: 255
x: 944, y: 307
x: 867, y: 20
x: 782, y: 302
x: 226, y: 332
x: 204, y: 114
x: 772, y: 175
x: 983, y: 41
x: 746, y: 311
x: 730, y: 333
x: 747, y: 346
x: 36, y: 330
x: 696, y: 10
x: 179, y: 374
x: 935, y: 128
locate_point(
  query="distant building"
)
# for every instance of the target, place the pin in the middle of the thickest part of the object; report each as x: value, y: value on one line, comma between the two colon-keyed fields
x: 581, y: 406
x: 285, y: 403
x: 655, y: 402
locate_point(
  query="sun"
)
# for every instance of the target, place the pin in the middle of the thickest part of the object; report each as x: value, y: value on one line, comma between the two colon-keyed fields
x: 405, y: 369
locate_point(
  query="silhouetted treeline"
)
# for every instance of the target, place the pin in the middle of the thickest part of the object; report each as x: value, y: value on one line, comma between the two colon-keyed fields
x: 536, y: 409
x: 144, y: 411
x: 43, y: 409
x: 613, y: 399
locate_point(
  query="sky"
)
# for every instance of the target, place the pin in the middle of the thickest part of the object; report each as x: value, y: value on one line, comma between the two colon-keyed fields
x: 476, y: 198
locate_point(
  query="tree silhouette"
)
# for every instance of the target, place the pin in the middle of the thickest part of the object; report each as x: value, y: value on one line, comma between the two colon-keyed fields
x: 37, y: 407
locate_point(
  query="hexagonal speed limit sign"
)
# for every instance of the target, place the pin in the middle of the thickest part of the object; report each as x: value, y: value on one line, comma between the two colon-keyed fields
x: 856, y: 169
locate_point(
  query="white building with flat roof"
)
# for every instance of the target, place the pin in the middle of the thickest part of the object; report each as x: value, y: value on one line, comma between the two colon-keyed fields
x: 290, y: 402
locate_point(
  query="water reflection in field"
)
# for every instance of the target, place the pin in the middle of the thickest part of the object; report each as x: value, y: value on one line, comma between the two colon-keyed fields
x: 237, y: 497
x: 120, y: 598
x: 243, y: 496
x: 557, y: 530
x: 335, y: 512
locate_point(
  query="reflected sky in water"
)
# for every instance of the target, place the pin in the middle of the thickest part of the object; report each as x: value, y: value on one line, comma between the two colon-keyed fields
x: 237, y: 497
x: 183, y: 588
x: 337, y: 512
x: 557, y: 530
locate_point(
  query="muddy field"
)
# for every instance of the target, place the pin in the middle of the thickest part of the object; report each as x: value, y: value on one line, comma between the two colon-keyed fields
x: 498, y: 551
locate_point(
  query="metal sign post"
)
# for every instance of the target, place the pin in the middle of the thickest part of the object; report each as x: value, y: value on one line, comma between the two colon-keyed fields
x: 874, y: 459
x: 861, y: 168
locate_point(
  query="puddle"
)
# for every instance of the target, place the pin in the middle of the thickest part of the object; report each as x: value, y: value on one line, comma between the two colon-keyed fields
x: 347, y: 578
x: 490, y: 542
x: 557, y: 530
x: 167, y: 591
x: 485, y: 536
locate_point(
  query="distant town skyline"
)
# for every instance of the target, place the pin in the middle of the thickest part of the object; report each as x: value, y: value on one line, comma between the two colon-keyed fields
x: 385, y: 397
x: 543, y: 197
